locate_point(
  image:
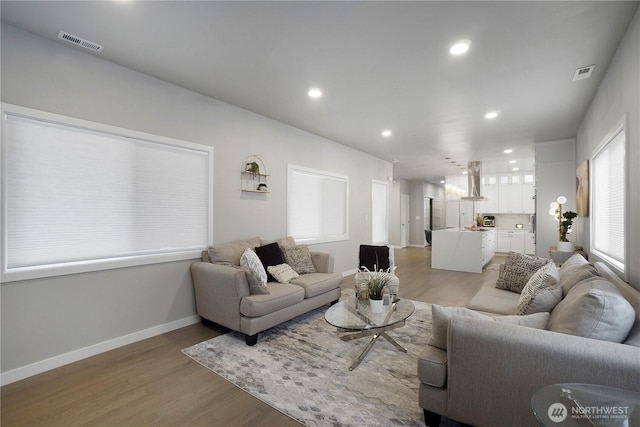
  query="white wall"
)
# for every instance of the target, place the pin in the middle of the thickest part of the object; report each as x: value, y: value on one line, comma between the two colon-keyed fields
x: 46, y: 318
x: 619, y: 93
x: 555, y: 176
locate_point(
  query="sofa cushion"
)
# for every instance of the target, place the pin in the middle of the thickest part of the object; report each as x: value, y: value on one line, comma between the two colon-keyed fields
x: 518, y: 269
x: 281, y: 296
x: 432, y: 367
x: 270, y: 255
x: 594, y: 308
x: 542, y: 292
x: 282, y: 242
x: 575, y: 270
x: 283, y: 273
x: 318, y: 283
x: 230, y: 253
x: 442, y: 315
x: 489, y: 299
x: 256, y: 275
x: 299, y: 258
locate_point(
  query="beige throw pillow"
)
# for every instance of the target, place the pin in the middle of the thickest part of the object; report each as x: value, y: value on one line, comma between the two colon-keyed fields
x: 594, y: 308
x: 542, y: 292
x: 442, y: 315
x: 282, y: 272
x: 575, y: 270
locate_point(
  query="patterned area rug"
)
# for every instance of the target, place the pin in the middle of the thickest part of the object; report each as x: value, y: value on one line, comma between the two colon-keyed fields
x: 301, y: 368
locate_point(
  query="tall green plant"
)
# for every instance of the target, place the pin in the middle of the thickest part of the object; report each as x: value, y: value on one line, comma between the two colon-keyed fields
x: 375, y: 281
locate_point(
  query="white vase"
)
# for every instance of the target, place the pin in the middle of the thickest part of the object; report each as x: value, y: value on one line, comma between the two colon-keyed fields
x: 375, y: 305
x: 566, y: 247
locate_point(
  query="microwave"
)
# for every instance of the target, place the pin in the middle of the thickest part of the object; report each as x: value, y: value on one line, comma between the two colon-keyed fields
x: 489, y: 221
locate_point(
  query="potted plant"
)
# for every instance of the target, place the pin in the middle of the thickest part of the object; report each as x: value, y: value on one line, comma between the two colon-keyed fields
x: 375, y: 283
x: 564, y: 227
x: 253, y: 168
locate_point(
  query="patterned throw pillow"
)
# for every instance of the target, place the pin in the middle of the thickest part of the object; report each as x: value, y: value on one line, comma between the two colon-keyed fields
x: 299, y: 258
x: 282, y: 273
x: 256, y: 275
x: 542, y: 292
x: 518, y: 269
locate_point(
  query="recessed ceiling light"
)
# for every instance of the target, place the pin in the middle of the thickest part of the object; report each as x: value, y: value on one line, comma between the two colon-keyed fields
x: 315, y: 93
x: 492, y: 114
x: 508, y: 151
x: 442, y: 181
x: 512, y: 161
x: 386, y: 132
x: 460, y: 47
x: 516, y: 169
x: 464, y: 172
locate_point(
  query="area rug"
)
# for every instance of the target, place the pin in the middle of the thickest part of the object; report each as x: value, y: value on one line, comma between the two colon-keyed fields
x: 301, y: 368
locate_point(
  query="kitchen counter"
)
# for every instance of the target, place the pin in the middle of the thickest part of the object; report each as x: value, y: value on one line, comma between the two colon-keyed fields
x: 460, y: 249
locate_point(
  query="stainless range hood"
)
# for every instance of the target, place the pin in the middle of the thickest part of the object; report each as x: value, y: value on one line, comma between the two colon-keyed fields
x: 474, y: 171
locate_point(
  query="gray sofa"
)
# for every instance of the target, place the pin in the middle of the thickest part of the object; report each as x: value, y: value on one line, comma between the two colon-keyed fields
x: 490, y: 369
x: 223, y: 293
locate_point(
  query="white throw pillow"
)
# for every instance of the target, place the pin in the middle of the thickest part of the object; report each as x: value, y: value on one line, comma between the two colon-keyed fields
x: 442, y: 315
x: 256, y: 275
x: 542, y: 292
x: 283, y: 272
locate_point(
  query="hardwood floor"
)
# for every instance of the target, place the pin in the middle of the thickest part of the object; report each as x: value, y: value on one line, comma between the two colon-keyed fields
x: 152, y: 382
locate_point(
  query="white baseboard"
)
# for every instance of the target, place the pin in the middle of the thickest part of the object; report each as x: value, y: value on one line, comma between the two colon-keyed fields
x: 83, y: 353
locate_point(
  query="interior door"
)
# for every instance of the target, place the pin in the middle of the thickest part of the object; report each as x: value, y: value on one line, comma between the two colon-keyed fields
x: 404, y: 220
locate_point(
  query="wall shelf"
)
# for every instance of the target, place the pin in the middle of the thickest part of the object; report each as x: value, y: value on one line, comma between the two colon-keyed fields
x: 254, y: 175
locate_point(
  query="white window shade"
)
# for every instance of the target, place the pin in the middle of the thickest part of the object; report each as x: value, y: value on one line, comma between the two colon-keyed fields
x: 317, y: 205
x: 608, y: 178
x: 78, y: 198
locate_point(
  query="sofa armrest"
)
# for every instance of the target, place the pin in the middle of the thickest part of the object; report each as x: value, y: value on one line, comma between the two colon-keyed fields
x: 218, y: 291
x: 494, y: 368
x: 322, y: 261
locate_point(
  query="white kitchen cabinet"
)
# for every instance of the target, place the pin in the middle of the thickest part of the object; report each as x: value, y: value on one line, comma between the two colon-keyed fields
x: 460, y: 250
x: 510, y: 241
x: 488, y: 246
x: 489, y: 190
x: 529, y: 243
x: 515, y: 193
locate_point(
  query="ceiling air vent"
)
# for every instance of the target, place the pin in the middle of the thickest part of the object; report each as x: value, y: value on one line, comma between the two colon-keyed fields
x: 583, y: 73
x: 79, y: 41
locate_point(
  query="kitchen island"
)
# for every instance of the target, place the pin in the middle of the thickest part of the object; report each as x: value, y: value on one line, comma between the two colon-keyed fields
x: 460, y: 249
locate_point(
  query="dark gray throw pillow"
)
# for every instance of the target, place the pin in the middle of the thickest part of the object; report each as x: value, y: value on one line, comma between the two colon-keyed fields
x: 518, y: 269
x: 270, y: 255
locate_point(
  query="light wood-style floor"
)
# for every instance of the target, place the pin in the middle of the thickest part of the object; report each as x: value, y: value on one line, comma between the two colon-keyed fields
x: 151, y: 383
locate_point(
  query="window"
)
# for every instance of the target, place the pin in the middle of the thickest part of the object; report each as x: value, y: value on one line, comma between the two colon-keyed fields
x: 379, y: 213
x: 317, y: 205
x: 79, y: 196
x: 608, y: 199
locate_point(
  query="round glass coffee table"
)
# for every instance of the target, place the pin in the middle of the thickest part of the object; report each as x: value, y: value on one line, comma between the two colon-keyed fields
x: 586, y: 405
x: 348, y: 318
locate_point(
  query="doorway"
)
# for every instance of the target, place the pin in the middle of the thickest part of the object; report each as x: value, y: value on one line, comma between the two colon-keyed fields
x: 404, y: 220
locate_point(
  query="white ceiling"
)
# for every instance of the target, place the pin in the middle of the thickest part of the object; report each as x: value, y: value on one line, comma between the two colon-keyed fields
x: 379, y: 64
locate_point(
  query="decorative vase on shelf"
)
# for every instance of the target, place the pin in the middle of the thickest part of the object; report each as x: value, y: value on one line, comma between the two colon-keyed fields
x: 566, y: 246
x: 375, y: 305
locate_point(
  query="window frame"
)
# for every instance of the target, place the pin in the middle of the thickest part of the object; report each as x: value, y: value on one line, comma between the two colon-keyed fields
x: 320, y: 238
x: 151, y: 256
x: 621, y: 127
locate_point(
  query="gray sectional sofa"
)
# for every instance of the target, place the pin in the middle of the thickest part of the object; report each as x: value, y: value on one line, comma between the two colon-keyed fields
x: 483, y: 372
x: 225, y: 295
